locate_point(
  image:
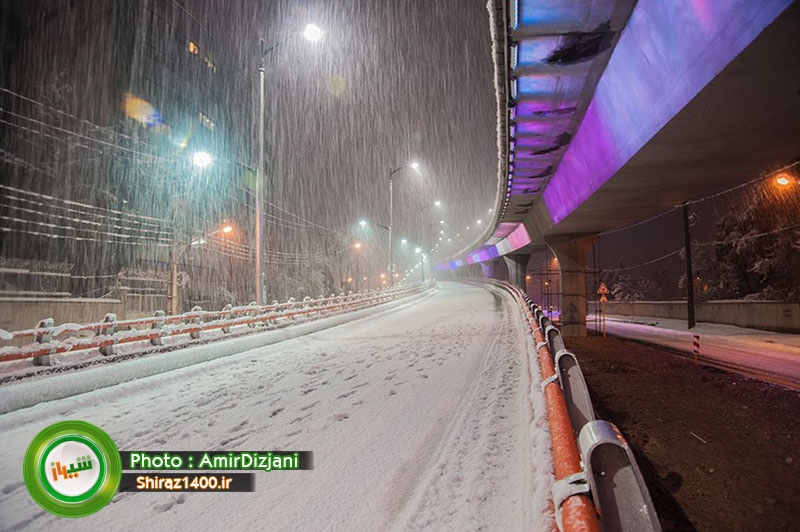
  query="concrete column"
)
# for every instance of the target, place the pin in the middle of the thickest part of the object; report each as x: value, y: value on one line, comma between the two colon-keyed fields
x: 496, y: 269
x: 516, y: 265
x: 572, y: 252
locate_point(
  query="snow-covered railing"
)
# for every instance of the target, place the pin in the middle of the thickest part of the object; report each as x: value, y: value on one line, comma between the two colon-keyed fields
x: 598, y: 483
x: 111, y: 332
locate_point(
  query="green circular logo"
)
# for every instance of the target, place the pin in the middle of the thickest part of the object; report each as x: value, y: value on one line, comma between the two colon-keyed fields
x: 72, y: 469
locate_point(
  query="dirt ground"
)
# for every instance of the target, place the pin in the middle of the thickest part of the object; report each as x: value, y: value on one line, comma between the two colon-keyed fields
x: 718, y: 451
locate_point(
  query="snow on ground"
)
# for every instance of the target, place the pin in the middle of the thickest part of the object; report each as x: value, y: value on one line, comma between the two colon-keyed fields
x: 764, y: 351
x: 419, y: 420
x: 47, y: 387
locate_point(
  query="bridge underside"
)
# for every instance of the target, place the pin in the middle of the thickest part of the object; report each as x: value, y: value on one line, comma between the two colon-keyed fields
x: 669, y: 122
x: 745, y: 121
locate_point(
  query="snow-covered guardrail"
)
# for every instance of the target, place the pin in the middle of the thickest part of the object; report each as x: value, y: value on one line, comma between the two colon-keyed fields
x: 598, y: 483
x: 111, y: 332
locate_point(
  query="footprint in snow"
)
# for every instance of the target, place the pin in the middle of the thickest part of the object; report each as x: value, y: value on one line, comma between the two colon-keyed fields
x: 165, y: 506
x: 8, y: 488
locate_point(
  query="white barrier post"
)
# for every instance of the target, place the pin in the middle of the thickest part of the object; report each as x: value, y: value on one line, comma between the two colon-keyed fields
x: 108, y: 330
x: 43, y: 338
x: 157, y: 325
x: 196, y: 320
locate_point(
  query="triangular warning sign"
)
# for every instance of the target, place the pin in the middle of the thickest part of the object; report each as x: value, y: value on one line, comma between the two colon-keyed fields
x: 603, y: 289
x: 603, y: 298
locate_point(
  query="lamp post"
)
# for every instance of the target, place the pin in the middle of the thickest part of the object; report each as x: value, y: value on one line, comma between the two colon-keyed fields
x: 176, y: 254
x: 418, y: 246
x: 426, y: 229
x: 357, y: 246
x: 311, y: 33
x: 415, y: 167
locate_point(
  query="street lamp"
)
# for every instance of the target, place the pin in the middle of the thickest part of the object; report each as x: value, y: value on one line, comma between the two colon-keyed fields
x: 415, y: 167
x: 312, y: 33
x: 177, y: 252
x: 783, y: 180
x: 358, y: 246
x: 426, y: 228
x: 202, y: 159
x: 363, y: 224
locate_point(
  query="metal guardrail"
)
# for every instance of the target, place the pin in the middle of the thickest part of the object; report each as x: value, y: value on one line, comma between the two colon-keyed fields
x: 598, y: 483
x: 111, y: 332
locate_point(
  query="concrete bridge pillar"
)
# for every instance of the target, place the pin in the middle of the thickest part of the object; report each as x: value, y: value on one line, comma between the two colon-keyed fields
x: 496, y: 269
x: 517, y: 265
x: 572, y: 252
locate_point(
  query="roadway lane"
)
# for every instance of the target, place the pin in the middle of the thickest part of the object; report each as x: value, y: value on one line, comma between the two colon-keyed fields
x: 770, y: 356
x: 419, y: 419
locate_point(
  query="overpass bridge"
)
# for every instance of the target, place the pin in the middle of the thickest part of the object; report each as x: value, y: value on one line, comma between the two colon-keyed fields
x: 612, y: 111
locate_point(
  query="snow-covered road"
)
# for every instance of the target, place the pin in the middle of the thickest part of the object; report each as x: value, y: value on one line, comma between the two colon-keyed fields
x: 419, y: 419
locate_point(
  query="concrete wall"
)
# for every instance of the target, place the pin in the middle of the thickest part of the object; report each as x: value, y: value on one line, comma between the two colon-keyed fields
x: 23, y: 313
x: 767, y: 315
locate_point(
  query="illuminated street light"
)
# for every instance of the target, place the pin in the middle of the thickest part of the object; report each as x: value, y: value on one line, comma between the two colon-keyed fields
x: 414, y: 166
x: 175, y: 256
x: 417, y: 250
x: 783, y: 180
x: 479, y: 222
x: 362, y: 223
x: 202, y: 159
x: 441, y: 222
x: 357, y: 245
x: 437, y: 203
x: 312, y: 33
x: 404, y: 241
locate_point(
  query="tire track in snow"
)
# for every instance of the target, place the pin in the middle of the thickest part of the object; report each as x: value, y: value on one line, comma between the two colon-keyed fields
x: 481, y: 478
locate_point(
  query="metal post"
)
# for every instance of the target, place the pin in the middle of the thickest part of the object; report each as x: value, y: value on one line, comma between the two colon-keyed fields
x: 173, y: 297
x: 391, y: 243
x: 689, y: 275
x: 604, y: 319
x: 422, y: 246
x: 259, y: 186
